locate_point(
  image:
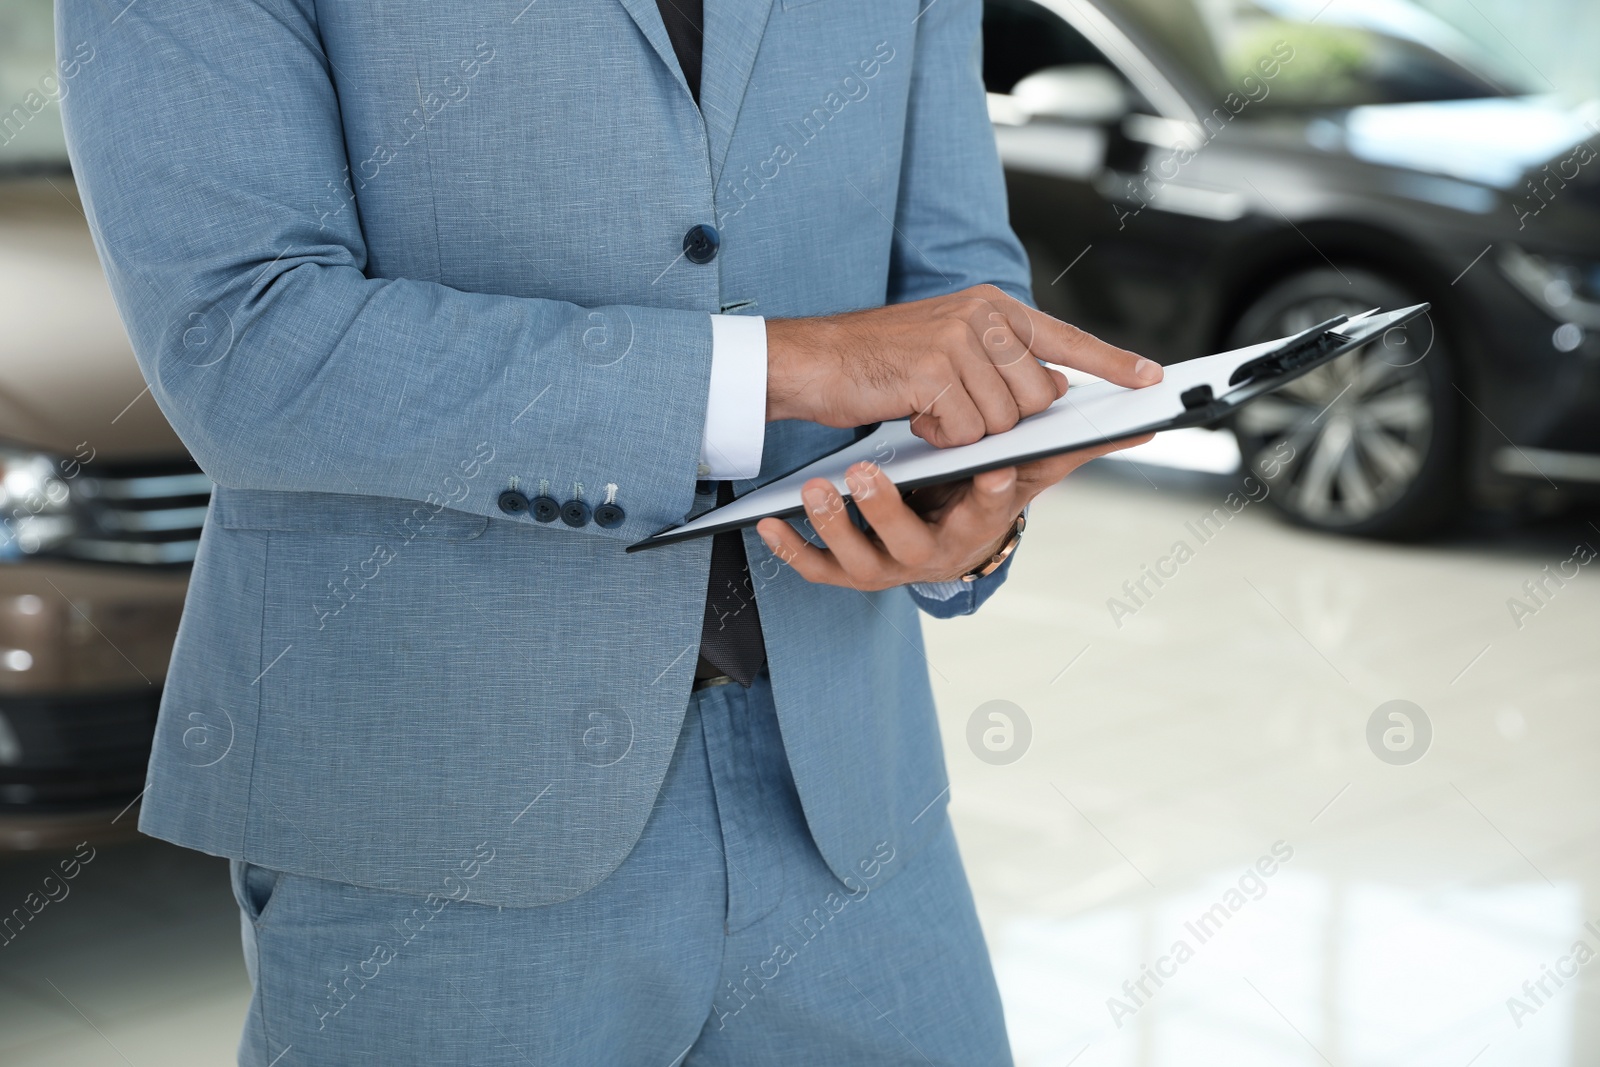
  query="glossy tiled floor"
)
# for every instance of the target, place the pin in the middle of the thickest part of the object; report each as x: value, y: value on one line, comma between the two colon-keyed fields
x: 138, y: 963
x: 1225, y: 717
x: 1228, y: 714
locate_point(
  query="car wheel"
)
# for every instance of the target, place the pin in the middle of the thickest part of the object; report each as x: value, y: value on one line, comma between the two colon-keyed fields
x: 1367, y: 444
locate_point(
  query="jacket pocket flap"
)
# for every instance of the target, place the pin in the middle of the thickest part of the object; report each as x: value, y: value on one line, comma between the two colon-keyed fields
x: 341, y: 513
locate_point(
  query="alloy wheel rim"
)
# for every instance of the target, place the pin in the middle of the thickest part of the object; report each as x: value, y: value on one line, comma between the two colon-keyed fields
x: 1344, y: 442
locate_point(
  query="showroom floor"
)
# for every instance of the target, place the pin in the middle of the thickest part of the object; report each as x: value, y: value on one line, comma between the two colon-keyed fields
x: 1118, y: 774
x: 1229, y: 713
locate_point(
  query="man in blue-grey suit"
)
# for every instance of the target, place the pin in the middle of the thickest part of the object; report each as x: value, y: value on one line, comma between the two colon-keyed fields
x: 454, y: 302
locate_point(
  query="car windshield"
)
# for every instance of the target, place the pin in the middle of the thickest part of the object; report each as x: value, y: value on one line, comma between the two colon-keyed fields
x: 1347, y: 53
x: 31, y: 87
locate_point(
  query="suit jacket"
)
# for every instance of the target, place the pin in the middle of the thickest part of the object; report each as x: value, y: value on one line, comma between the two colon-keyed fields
x: 382, y: 262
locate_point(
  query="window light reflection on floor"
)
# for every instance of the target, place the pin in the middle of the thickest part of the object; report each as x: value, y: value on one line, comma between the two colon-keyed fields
x: 1372, y: 975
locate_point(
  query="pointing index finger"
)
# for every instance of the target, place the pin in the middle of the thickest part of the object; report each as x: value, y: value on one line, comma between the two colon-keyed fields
x: 1065, y: 345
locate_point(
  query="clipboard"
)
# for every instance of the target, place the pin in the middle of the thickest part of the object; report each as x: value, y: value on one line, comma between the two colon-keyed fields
x: 1198, y: 392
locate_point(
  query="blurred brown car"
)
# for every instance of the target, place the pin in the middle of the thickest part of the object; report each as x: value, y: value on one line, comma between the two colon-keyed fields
x: 100, y: 515
x: 100, y: 505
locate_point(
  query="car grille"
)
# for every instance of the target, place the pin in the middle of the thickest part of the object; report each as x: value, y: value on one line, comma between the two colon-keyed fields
x: 147, y: 515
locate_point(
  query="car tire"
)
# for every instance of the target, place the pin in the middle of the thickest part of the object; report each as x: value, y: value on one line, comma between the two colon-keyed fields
x: 1367, y: 445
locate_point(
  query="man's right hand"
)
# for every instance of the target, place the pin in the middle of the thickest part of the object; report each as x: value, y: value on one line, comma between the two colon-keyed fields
x: 960, y: 366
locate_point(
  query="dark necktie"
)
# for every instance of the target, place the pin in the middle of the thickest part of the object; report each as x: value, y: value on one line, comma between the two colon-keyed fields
x: 685, y: 21
x: 730, y: 637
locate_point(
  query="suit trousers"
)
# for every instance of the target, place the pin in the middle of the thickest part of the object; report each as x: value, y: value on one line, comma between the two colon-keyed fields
x: 722, y: 939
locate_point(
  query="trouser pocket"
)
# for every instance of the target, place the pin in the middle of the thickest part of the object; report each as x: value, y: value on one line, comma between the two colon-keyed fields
x: 254, y: 888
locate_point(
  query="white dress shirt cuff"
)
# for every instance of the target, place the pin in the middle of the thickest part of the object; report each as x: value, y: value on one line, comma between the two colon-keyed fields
x: 941, y: 590
x: 736, y: 412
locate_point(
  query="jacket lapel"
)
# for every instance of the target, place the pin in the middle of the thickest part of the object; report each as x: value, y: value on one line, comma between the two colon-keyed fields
x: 733, y: 34
x: 648, y: 16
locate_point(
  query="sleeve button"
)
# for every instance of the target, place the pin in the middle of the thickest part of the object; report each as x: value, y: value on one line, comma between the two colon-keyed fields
x: 545, y: 508
x: 609, y: 515
x: 575, y: 513
x: 512, y: 502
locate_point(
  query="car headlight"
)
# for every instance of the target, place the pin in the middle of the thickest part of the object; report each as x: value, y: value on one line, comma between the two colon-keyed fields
x: 1568, y: 289
x: 35, y: 503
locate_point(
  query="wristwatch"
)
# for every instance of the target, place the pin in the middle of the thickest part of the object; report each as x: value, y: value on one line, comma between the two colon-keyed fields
x: 994, y: 562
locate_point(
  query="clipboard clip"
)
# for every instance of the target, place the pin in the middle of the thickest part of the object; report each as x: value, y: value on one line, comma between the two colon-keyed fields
x: 1299, y: 350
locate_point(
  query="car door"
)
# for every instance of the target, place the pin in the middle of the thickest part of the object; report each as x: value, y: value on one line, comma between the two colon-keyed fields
x: 1119, y: 241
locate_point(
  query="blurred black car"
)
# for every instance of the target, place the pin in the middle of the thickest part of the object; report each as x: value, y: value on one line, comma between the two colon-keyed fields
x: 1195, y: 175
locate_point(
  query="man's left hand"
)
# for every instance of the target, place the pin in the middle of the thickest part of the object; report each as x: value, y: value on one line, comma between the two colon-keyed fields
x: 959, y: 533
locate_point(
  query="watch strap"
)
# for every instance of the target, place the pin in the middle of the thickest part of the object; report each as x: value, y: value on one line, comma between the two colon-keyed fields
x: 996, y: 561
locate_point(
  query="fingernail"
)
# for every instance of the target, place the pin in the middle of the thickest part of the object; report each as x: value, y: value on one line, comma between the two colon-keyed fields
x: 816, y: 500
x: 1005, y: 485
x: 1146, y: 370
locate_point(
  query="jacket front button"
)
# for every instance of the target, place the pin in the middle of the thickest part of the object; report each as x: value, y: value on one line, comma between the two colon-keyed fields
x: 609, y: 515
x: 545, y: 508
x: 513, y: 503
x: 700, y: 244
x: 575, y: 513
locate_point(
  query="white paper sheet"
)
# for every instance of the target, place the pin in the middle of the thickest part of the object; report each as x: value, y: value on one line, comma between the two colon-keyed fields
x: 1087, y: 414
